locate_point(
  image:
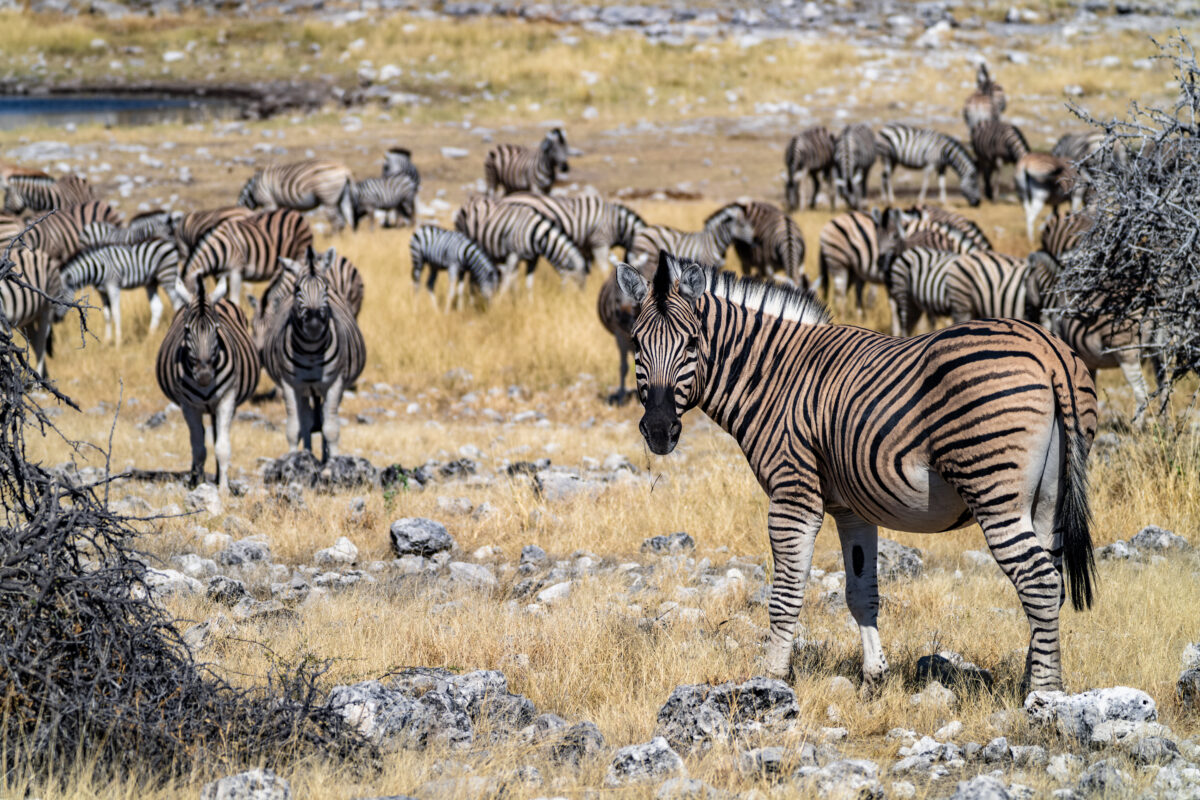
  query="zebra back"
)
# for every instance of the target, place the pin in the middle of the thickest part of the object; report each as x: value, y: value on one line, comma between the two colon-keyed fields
x: 395, y: 192
x: 154, y: 262
x: 854, y: 154
x: 287, y: 229
x: 850, y: 242
x: 924, y: 217
x: 917, y: 281
x: 984, y: 284
x: 40, y: 192
x: 195, y: 225
x: 302, y: 185
x: 994, y: 140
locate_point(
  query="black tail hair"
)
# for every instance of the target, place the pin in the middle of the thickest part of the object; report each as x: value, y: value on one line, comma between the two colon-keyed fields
x: 1073, y: 517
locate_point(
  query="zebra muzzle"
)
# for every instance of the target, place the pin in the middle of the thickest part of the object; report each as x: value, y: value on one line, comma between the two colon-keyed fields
x: 660, y: 428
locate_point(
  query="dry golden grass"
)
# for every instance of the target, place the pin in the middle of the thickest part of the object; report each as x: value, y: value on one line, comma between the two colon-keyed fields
x: 587, y: 658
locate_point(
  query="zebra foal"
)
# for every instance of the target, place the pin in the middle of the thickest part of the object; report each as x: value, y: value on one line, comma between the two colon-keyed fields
x: 509, y: 168
x: 151, y: 264
x: 930, y: 151
x: 207, y: 364
x: 809, y: 151
x: 439, y: 249
x: 988, y: 421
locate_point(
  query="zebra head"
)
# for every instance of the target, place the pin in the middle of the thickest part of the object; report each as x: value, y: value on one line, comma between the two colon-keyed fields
x: 889, y: 236
x: 246, y: 198
x: 310, y: 295
x: 969, y: 183
x: 201, y: 340
x: 731, y: 221
x: 666, y: 345
x: 554, y: 146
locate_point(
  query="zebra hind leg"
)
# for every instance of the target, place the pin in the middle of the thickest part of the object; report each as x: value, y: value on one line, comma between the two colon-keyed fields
x: 860, y: 544
x: 326, y: 408
x: 156, y: 306
x: 222, y: 422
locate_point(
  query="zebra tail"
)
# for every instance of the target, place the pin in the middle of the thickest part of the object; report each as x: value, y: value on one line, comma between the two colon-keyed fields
x: 823, y: 273
x: 1073, y: 516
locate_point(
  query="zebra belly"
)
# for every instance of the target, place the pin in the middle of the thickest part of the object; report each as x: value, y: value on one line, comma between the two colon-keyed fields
x: 925, y: 504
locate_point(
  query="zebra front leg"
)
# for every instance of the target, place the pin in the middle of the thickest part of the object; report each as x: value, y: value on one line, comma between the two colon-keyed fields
x: 452, y: 287
x: 1131, y: 367
x: 292, y: 404
x: 601, y: 256
x: 925, y: 186
x: 330, y: 426
x: 885, y: 182
x: 942, y: 185
x: 106, y: 310
x: 156, y: 307
x: 793, y: 523
x: 860, y: 544
x: 222, y: 422
x: 235, y: 286
x: 114, y: 302
x: 195, y: 422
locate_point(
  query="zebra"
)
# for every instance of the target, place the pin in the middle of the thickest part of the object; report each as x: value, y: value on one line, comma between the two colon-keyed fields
x: 148, y: 225
x: 990, y: 421
x: 37, y: 191
x: 207, y: 364
x: 396, y: 196
x: 922, y: 217
x: 849, y: 254
x: 195, y: 225
x: 593, y: 224
x: 112, y: 268
x: 996, y: 143
x: 983, y: 284
x: 440, y: 249
x: 31, y: 293
x: 1080, y: 150
x: 303, y: 186
x: 987, y: 103
x: 1043, y: 179
x: 777, y: 245
x: 398, y: 161
x: 511, y: 168
x: 917, y: 284
x: 617, y: 314
x: 708, y: 246
x: 811, y: 151
x: 248, y: 249
x: 854, y: 154
x: 930, y: 151
x: 510, y: 232
x: 314, y: 350
x: 1062, y: 234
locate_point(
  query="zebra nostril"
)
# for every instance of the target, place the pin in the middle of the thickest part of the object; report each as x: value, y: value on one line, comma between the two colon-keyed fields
x: 676, y: 428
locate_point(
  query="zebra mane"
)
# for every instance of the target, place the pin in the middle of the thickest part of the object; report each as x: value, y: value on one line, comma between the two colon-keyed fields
x: 771, y: 298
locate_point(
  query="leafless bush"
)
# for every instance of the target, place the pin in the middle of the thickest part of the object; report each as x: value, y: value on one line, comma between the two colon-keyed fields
x: 1140, y: 262
x: 89, y: 664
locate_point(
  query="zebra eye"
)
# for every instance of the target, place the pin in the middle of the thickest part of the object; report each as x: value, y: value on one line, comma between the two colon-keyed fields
x: 693, y: 345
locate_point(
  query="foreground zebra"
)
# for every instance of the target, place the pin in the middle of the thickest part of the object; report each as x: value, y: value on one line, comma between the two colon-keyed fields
x: 207, y: 364
x: 810, y: 151
x: 593, y: 224
x: 929, y: 151
x: 30, y: 285
x: 313, y: 351
x: 112, y: 268
x: 988, y: 421
x: 511, y: 168
x: 853, y: 156
x: 303, y: 186
x: 461, y: 258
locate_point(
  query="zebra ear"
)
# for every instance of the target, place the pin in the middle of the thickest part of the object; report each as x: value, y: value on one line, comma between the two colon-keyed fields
x: 182, y: 290
x: 328, y: 258
x: 293, y: 268
x: 632, y: 284
x: 691, y: 282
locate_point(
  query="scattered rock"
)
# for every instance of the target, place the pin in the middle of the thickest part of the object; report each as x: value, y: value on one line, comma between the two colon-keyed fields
x: 555, y: 486
x: 898, y: 561
x: 250, y: 610
x: 996, y: 751
x: 169, y: 582
x: 577, y: 743
x: 1153, y: 750
x: 555, y: 593
x: 458, y: 506
x: 640, y: 763
x: 298, y: 466
x: 475, y: 576
x: 762, y: 760
x: 670, y: 543
x: 1104, y: 778
x: 686, y: 789
x: 204, y: 497
x: 532, y: 556
x: 1077, y: 715
x: 951, y: 669
x: 695, y: 716
x: 227, y: 591
x: 257, y: 784
x: 348, y: 472
x: 419, y: 536
x: 343, y: 551
x: 850, y: 778
x: 935, y: 695
x: 244, y: 551
x: 1188, y: 689
x: 1063, y: 766
x: 981, y: 787
x: 1154, y: 538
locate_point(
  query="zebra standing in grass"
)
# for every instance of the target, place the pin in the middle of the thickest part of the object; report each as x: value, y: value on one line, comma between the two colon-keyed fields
x: 195, y: 225
x: 996, y: 143
x: 853, y: 156
x: 708, y: 246
x: 303, y: 186
x: 983, y: 284
x: 148, y: 225
x: 30, y: 286
x: 849, y: 255
x: 207, y: 364
x: 398, y: 161
x: 248, y: 249
x: 810, y: 151
x: 396, y: 196
x: 930, y: 151
x: 988, y: 101
x: 990, y: 421
x: 37, y: 191
x: 510, y: 233
x: 593, y: 224
x: 461, y: 258
x: 917, y: 284
x: 511, y: 168
x: 314, y: 350
x: 777, y: 245
x: 152, y: 264
x: 60, y: 234
x: 1043, y: 179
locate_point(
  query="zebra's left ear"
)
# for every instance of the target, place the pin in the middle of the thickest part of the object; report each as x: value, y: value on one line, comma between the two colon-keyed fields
x: 691, y: 282
x: 293, y: 268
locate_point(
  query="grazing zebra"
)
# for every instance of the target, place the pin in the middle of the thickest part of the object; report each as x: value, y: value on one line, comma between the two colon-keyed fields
x: 151, y: 264
x: 939, y: 236
x: 248, y: 249
x: 314, y: 350
x: 930, y: 151
x: 37, y: 191
x: 988, y: 101
x: 1043, y: 179
x: 30, y: 288
x: 853, y: 156
x: 777, y: 246
x: 983, y: 284
x: 920, y: 218
x: 148, y: 225
x: 917, y: 284
x: 398, y: 161
x: 461, y: 258
x: 207, y: 364
x: 195, y: 225
x: 511, y: 168
x: 303, y: 186
x: 996, y: 143
x: 708, y: 246
x: 849, y: 254
x: 1062, y: 234
x: 510, y: 233
x: 988, y: 421
x: 811, y: 151
x: 396, y: 196
x: 593, y: 224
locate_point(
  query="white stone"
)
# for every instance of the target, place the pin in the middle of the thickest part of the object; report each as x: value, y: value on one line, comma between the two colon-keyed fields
x: 343, y: 551
x: 477, y: 576
x: 555, y: 593
x: 166, y: 582
x: 204, y: 497
x: 1078, y: 715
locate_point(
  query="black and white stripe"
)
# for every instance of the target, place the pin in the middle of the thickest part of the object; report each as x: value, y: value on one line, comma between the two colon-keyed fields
x: 207, y: 364
x: 30, y: 286
x: 810, y: 151
x: 849, y: 255
x: 40, y: 192
x: 854, y: 154
x: 707, y: 246
x: 917, y: 284
x: 510, y: 233
x: 439, y: 249
x: 303, y: 186
x: 248, y: 249
x: 930, y: 151
x: 398, y: 161
x: 1043, y: 180
x: 511, y: 168
x: 996, y: 143
x: 923, y: 217
x: 593, y: 224
x: 313, y: 351
x: 151, y: 265
x: 396, y: 196
x: 148, y: 225
x: 778, y: 245
x: 984, y: 284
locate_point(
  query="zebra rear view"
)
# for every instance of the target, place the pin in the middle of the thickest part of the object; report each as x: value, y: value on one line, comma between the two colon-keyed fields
x: 990, y: 421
